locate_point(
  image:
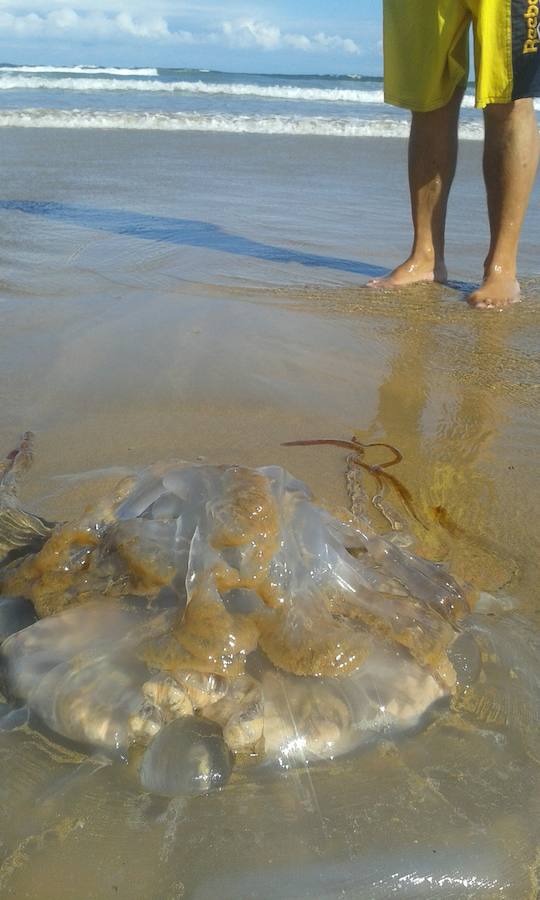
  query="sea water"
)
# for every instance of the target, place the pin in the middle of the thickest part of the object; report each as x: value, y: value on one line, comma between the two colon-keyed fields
x: 202, y: 100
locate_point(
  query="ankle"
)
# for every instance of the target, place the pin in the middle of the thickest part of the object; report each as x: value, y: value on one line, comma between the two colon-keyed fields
x: 427, y: 255
x: 500, y: 268
x: 424, y: 253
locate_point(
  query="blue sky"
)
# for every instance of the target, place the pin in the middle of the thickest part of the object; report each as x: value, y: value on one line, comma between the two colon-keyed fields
x: 238, y: 35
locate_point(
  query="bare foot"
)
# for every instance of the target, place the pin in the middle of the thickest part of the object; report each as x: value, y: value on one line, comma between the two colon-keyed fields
x: 497, y: 291
x: 411, y: 272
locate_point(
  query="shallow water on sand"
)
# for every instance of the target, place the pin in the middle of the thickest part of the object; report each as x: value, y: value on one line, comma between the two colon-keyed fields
x: 129, y: 339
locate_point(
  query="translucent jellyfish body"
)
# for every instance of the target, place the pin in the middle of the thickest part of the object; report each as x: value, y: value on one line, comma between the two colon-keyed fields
x: 225, y: 595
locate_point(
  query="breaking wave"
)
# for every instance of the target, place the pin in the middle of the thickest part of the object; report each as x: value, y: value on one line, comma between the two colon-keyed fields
x: 83, y: 70
x: 270, y: 92
x: 30, y: 81
x: 273, y: 92
x: 231, y: 124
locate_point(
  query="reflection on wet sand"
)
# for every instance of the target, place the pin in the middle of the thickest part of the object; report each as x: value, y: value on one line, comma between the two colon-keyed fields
x: 457, y: 399
x: 448, y: 429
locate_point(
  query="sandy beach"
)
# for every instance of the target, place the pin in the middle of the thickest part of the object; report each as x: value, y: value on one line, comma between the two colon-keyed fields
x: 202, y: 297
x: 165, y: 305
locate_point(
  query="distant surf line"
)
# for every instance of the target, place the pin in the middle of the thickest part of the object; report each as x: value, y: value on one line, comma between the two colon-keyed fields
x: 83, y: 70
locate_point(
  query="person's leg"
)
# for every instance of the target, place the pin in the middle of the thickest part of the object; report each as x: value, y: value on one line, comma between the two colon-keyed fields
x: 433, y: 148
x: 511, y: 153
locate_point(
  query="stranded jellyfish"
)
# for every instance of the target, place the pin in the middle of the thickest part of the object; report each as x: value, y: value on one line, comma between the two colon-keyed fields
x: 203, y: 616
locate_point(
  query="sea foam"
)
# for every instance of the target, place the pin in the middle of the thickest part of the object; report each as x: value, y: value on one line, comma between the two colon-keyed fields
x: 83, y: 70
x: 232, y: 124
x: 272, y: 92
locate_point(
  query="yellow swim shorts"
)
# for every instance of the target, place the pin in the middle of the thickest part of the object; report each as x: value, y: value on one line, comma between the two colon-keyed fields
x: 426, y: 50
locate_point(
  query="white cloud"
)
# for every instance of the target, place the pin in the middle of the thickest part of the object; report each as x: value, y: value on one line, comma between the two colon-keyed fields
x: 97, y: 25
x: 153, y: 28
x: 322, y: 41
x: 243, y: 32
x: 166, y: 8
x: 250, y: 33
x: 88, y: 25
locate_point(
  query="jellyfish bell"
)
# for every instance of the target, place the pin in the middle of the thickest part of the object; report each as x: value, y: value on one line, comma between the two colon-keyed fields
x: 312, y: 719
x: 274, y: 641
x: 78, y: 674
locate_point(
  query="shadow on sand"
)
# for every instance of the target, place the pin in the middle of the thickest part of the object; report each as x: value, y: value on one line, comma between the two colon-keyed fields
x: 184, y: 232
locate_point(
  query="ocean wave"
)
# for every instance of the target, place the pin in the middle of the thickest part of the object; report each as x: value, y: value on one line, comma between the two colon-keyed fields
x: 273, y: 92
x: 270, y: 92
x: 231, y: 124
x: 83, y: 70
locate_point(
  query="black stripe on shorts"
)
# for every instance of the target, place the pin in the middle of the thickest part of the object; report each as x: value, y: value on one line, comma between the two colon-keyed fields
x: 526, y: 48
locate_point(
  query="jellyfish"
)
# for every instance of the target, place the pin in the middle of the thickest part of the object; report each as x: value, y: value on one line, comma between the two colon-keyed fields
x: 202, y: 617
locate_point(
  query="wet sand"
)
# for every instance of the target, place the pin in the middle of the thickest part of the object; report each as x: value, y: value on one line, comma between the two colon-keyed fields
x: 223, y: 316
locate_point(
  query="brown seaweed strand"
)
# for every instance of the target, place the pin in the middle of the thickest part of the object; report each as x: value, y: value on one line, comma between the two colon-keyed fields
x: 392, y: 462
x: 376, y: 471
x: 354, y: 445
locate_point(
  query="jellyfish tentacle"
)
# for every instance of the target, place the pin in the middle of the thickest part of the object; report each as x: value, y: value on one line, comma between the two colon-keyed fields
x: 16, y: 462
